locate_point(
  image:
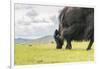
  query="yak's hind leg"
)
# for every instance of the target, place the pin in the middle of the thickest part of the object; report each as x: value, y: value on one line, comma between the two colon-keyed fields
x: 68, y: 46
x: 90, y: 44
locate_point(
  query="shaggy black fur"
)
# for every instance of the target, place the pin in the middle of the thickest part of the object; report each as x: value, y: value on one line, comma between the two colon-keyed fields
x: 75, y: 24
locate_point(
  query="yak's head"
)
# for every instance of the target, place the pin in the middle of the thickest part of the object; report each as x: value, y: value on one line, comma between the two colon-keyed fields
x: 58, y: 40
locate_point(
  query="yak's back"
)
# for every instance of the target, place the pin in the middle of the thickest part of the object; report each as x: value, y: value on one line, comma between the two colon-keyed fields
x: 75, y: 15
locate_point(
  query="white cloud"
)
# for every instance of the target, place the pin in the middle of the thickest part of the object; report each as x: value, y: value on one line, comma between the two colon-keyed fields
x: 35, y: 22
x: 35, y: 30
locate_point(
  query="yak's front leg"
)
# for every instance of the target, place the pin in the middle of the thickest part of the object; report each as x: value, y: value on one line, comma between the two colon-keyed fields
x: 68, y: 46
x: 90, y: 44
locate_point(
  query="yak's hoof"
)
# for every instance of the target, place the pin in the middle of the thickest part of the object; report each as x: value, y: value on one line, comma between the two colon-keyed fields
x: 58, y: 48
x: 68, y: 48
x: 88, y: 49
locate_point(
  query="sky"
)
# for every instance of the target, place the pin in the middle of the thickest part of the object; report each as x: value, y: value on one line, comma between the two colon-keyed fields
x: 35, y: 21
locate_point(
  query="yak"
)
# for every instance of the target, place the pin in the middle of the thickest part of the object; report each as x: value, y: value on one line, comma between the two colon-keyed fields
x: 75, y: 23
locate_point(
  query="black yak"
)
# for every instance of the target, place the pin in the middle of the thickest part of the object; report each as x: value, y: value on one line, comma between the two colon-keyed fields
x: 75, y: 23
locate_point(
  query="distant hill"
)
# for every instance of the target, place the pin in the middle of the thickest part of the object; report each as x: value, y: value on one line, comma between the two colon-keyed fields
x: 21, y: 40
x: 44, y: 39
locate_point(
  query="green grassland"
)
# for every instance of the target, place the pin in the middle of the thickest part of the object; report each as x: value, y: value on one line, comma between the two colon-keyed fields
x: 47, y: 53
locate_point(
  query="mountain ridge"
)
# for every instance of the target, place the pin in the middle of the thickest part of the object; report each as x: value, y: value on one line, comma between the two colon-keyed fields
x: 44, y: 39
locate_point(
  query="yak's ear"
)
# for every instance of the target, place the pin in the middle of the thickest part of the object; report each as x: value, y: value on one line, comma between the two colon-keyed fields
x: 56, y: 32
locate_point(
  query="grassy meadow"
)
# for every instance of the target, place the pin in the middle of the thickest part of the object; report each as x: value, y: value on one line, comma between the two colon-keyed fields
x: 47, y: 53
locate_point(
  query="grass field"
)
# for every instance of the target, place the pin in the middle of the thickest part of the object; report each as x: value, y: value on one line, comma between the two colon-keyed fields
x: 46, y: 53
